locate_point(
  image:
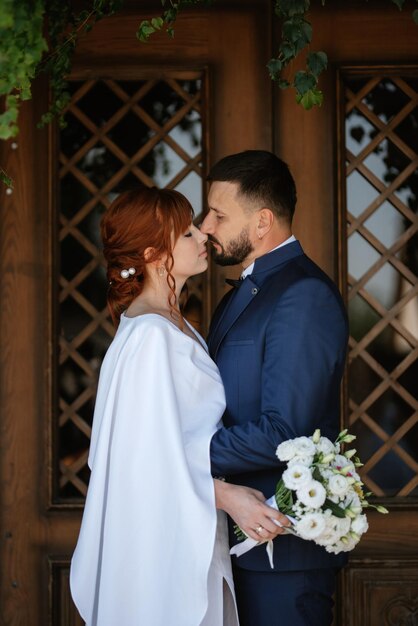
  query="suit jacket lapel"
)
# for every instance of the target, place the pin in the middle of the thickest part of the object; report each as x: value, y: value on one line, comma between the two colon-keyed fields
x: 264, y: 267
x: 238, y: 302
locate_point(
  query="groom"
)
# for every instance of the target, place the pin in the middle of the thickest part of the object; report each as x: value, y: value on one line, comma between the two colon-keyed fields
x: 279, y: 339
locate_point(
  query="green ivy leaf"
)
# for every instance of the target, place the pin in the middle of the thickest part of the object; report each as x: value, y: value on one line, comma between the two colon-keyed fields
x: 317, y: 62
x: 304, y: 82
x: 274, y: 67
x: 8, y: 129
x: 144, y: 31
x: 415, y: 16
x: 283, y: 84
x: 157, y: 22
x: 288, y: 51
x: 292, y: 30
x: 306, y: 30
x: 4, y: 178
x: 399, y: 3
x: 298, y: 32
x: 8, y: 119
x: 311, y: 98
x: 291, y: 7
x: 170, y: 15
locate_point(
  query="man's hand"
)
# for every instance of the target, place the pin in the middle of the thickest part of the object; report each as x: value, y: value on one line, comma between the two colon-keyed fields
x: 247, y: 509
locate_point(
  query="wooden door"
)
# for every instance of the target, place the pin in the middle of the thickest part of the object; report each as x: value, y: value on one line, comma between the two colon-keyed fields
x: 156, y: 112
x: 356, y: 165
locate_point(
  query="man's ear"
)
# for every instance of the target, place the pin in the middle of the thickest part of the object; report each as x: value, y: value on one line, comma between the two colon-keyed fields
x: 265, y: 219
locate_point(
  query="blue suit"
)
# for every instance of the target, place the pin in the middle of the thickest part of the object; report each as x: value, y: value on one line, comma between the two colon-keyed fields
x: 279, y: 341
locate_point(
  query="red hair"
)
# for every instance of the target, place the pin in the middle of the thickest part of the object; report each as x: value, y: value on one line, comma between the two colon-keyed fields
x: 140, y: 219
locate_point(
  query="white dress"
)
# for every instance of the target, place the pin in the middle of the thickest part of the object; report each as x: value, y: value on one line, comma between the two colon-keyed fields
x: 152, y: 550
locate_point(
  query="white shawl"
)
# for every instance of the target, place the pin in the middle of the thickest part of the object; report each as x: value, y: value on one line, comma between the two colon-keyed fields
x: 149, y: 524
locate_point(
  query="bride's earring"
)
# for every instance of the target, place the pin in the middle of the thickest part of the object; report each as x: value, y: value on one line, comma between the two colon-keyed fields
x: 161, y: 270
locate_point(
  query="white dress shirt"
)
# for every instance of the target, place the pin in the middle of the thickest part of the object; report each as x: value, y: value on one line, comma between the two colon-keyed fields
x: 248, y: 270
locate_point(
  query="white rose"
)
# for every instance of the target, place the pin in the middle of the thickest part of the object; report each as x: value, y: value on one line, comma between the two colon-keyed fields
x: 312, y: 494
x: 343, y: 464
x: 286, y: 451
x: 311, y: 525
x: 342, y: 525
x: 303, y: 460
x: 334, y: 499
x: 304, y: 446
x: 296, y: 476
x: 342, y: 546
x: 335, y: 529
x: 336, y: 548
x: 327, y: 538
x: 360, y: 524
x: 352, y: 501
x: 326, y: 473
x: 325, y: 446
x: 338, y: 485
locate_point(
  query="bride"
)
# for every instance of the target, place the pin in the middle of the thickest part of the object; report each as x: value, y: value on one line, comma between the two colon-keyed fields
x: 152, y: 549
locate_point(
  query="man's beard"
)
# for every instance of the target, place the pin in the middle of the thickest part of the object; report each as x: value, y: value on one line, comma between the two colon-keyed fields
x: 236, y: 251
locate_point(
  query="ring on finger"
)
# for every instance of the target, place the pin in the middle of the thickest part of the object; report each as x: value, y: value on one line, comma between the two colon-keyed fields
x: 259, y: 529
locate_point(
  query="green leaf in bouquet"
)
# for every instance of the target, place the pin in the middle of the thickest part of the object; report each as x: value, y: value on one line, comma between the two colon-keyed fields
x: 284, y: 498
x: 316, y: 475
x: 240, y: 534
x: 334, y: 508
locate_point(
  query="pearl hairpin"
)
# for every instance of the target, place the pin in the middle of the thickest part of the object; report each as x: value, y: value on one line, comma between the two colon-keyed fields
x: 126, y: 273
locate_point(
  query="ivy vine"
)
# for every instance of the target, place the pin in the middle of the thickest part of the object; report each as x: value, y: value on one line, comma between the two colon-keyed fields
x: 296, y: 35
x: 25, y: 51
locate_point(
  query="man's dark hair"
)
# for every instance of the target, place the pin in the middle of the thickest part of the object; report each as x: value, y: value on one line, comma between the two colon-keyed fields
x: 262, y: 177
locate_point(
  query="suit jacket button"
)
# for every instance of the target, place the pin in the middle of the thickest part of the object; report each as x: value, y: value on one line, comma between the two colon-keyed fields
x: 254, y: 290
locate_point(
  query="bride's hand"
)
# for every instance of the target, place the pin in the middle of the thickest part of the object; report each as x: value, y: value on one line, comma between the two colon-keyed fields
x: 246, y: 507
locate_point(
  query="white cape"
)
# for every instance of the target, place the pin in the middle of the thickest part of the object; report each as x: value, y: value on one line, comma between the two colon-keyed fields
x: 148, y: 532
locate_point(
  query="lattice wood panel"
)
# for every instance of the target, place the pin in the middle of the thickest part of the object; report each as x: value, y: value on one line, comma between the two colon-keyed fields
x: 381, y: 153
x: 118, y: 133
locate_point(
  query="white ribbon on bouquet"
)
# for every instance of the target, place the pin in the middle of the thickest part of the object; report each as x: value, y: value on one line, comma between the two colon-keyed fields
x: 249, y: 543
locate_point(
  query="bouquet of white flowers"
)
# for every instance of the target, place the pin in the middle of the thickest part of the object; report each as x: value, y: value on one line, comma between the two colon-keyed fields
x: 321, y: 493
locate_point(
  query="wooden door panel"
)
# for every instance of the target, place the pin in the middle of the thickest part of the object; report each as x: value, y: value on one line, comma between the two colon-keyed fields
x: 44, y: 477
x: 356, y: 33
x: 379, y: 47
x: 380, y: 592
